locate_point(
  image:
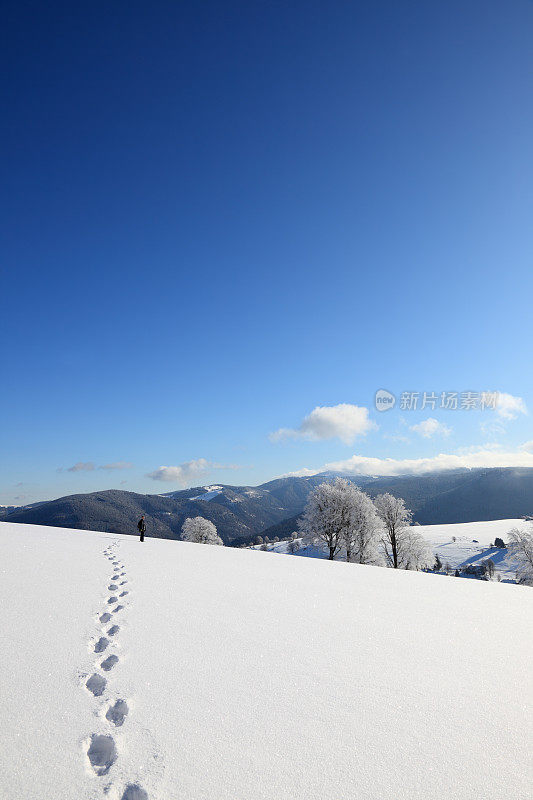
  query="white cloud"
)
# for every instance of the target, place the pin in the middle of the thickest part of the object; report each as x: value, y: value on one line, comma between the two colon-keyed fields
x: 88, y: 466
x: 492, y: 428
x: 396, y: 437
x: 188, y: 472
x: 431, y: 427
x: 182, y: 474
x: 82, y: 466
x: 509, y: 407
x: 343, y: 421
x: 464, y: 451
x: 527, y: 446
x: 482, y: 457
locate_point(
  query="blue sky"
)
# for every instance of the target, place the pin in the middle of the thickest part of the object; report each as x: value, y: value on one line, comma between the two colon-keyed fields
x: 218, y: 217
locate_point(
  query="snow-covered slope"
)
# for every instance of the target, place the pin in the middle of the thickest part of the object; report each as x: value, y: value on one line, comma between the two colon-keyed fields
x: 242, y: 676
x: 209, y: 494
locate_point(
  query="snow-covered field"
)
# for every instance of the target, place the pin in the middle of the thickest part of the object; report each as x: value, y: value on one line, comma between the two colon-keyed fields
x: 229, y: 674
x: 472, y: 544
x: 209, y: 494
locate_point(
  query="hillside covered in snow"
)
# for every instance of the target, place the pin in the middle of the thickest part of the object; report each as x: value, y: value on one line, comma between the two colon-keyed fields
x: 174, y: 671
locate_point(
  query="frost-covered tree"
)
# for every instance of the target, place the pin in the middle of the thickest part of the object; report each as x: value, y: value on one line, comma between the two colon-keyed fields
x: 413, y: 550
x: 396, y: 519
x: 293, y: 547
x: 362, y: 532
x: 326, y: 516
x: 200, y: 530
x: 437, y: 566
x: 491, y: 567
x: 339, y: 517
x: 520, y: 548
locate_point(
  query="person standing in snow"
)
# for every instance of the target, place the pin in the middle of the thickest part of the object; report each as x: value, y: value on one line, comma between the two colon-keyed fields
x: 141, y: 525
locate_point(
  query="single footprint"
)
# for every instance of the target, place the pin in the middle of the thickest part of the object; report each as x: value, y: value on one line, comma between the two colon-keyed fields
x: 112, y: 600
x: 117, y: 713
x: 109, y: 662
x: 105, y: 617
x: 101, y: 645
x: 118, y: 608
x: 123, y: 594
x: 112, y: 587
x: 113, y: 630
x: 122, y: 574
x: 96, y: 684
x: 102, y: 753
x: 134, y: 792
x: 122, y: 583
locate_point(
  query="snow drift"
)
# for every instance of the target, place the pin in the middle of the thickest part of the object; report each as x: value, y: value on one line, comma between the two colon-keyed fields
x: 237, y: 675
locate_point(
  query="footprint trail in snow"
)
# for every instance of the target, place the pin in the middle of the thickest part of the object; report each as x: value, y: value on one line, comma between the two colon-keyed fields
x: 101, y: 749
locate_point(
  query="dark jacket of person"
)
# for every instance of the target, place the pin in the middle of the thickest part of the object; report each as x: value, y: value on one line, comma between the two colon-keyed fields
x: 141, y: 525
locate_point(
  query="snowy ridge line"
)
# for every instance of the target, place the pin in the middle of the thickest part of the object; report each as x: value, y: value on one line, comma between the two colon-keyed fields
x: 101, y: 747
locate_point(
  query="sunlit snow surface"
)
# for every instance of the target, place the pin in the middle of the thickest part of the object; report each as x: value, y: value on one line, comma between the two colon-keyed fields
x: 240, y: 675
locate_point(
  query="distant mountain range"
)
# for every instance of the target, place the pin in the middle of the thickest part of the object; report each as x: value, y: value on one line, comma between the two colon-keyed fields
x: 242, y: 512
